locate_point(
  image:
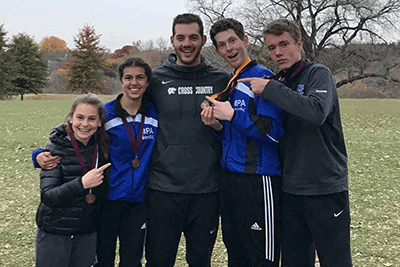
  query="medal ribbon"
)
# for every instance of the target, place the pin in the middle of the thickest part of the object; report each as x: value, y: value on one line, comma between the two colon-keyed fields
x: 298, y: 68
x: 280, y: 75
x: 79, y: 154
x: 135, y: 144
x: 223, y: 96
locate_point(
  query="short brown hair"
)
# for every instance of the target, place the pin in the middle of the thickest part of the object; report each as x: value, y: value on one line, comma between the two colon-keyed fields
x: 188, y: 18
x: 224, y: 25
x: 279, y: 26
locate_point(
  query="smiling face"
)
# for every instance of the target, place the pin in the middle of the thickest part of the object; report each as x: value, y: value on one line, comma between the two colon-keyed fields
x: 134, y: 82
x: 231, y: 48
x: 85, y: 120
x: 187, y: 43
x: 284, y: 50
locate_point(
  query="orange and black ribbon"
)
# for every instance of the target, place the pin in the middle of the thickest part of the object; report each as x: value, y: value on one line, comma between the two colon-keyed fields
x: 224, y: 95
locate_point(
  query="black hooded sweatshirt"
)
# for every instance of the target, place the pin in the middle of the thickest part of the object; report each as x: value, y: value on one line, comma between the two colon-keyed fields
x: 186, y: 156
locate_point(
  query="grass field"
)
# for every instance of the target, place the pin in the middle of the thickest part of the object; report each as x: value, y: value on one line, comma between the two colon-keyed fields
x: 372, y: 132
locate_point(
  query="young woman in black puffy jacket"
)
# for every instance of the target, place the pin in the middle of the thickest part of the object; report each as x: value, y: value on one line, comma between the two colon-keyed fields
x: 71, y: 192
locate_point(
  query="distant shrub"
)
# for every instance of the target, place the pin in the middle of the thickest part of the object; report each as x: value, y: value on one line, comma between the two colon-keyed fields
x: 380, y: 89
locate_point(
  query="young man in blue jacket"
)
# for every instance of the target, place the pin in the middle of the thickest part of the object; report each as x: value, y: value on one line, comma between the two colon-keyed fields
x: 315, y: 200
x: 250, y: 130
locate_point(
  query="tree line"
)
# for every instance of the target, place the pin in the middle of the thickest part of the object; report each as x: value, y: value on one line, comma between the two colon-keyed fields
x: 349, y: 36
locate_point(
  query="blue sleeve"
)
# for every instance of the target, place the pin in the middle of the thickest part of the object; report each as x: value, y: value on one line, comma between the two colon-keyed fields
x: 265, y: 126
x: 34, y: 154
x: 260, y: 120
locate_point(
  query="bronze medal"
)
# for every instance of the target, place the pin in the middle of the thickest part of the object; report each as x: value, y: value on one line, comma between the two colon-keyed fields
x: 90, y: 198
x: 135, y: 163
x: 135, y: 144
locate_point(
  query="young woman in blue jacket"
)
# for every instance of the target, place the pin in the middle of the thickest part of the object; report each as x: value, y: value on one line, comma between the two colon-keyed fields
x: 131, y: 124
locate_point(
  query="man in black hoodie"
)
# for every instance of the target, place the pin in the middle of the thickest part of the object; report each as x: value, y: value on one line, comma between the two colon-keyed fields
x: 315, y: 201
x: 183, y: 177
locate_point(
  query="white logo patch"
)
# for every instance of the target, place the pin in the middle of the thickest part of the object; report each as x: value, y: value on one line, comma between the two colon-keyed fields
x: 148, y: 133
x: 240, y: 104
x: 337, y: 214
x: 256, y: 227
x: 185, y: 90
x: 204, y: 90
x: 171, y: 90
x: 166, y: 82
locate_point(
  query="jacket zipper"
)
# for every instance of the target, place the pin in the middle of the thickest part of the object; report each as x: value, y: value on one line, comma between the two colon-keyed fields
x: 229, y: 146
x: 133, y: 169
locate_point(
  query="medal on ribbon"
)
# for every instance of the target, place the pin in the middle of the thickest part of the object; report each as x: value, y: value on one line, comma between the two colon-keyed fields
x: 135, y: 144
x: 90, y: 197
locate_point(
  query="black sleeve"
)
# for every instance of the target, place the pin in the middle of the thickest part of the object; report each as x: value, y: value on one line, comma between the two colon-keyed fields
x: 314, y: 106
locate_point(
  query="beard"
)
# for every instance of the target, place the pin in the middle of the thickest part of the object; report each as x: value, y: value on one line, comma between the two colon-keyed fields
x: 192, y: 61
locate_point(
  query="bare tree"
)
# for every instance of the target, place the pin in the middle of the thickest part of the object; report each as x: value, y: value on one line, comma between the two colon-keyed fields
x: 324, y: 24
x: 212, y: 10
x: 163, y: 43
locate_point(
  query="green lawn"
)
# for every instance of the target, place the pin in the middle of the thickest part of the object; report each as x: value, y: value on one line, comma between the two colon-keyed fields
x: 372, y: 132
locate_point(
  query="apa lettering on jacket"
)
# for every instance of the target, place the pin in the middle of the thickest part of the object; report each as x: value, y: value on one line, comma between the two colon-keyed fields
x: 148, y: 133
x: 240, y: 104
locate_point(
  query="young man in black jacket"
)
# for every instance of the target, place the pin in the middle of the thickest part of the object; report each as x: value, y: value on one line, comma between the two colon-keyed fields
x: 315, y: 202
x: 183, y: 177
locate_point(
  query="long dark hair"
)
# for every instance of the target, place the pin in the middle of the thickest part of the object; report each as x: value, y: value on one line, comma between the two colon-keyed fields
x: 101, y: 135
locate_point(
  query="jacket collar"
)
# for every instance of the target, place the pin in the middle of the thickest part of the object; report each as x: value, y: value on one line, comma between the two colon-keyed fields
x: 171, y: 63
x: 121, y: 112
x: 294, y: 70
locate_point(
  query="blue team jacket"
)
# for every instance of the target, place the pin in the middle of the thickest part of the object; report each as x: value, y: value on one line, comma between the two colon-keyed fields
x: 128, y: 183
x: 250, y: 139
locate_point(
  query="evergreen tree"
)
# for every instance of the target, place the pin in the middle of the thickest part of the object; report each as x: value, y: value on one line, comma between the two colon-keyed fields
x: 31, y: 73
x: 7, y: 67
x: 86, y: 72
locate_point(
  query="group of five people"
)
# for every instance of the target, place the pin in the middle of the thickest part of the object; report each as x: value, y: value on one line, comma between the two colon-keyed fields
x: 282, y: 191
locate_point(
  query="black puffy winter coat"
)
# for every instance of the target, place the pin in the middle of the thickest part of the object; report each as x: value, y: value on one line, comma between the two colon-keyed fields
x: 63, y: 209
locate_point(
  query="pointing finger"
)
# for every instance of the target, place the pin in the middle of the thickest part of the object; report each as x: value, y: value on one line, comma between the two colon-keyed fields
x: 105, y: 166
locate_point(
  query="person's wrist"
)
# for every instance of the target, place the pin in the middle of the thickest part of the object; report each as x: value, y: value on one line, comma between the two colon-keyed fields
x: 233, y: 115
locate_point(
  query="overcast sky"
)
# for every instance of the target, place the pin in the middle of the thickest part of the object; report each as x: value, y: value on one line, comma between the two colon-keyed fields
x: 118, y: 22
